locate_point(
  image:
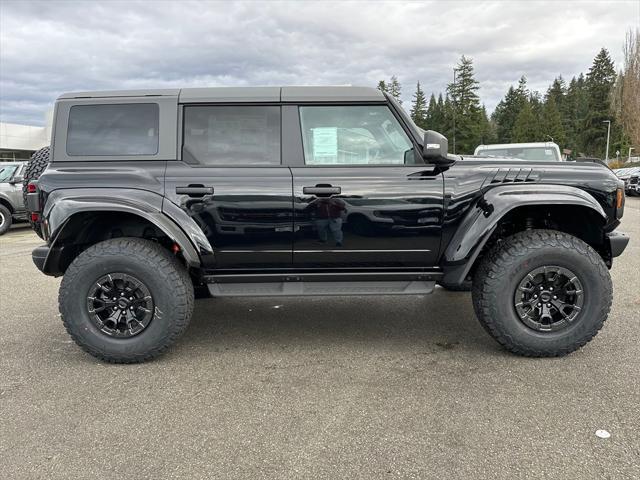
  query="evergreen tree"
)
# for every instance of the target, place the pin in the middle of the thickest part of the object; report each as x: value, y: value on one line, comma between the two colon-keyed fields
x: 507, y: 110
x: 526, y: 127
x: 466, y: 109
x: 552, y: 121
x: 382, y: 86
x: 430, y: 119
x: 574, y: 112
x: 419, y: 108
x: 599, y: 85
x: 439, y: 116
x: 557, y: 92
x: 395, y: 89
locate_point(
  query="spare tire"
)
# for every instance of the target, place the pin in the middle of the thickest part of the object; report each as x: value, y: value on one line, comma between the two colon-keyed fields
x: 37, y: 164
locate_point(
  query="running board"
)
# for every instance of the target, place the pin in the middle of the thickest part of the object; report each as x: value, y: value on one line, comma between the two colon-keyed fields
x: 295, y: 289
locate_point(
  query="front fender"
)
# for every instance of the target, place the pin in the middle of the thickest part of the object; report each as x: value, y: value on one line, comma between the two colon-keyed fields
x: 480, y: 222
x: 63, y: 204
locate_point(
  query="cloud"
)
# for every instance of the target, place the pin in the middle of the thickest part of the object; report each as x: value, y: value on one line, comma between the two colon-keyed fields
x: 47, y: 48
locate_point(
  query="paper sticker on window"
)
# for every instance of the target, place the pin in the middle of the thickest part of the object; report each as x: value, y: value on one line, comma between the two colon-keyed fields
x: 325, y: 145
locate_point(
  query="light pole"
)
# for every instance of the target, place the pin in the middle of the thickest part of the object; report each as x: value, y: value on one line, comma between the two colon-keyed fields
x: 606, y: 155
x: 549, y: 137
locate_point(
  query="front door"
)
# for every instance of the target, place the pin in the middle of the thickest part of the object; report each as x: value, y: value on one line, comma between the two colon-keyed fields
x: 363, y: 197
x: 232, y: 183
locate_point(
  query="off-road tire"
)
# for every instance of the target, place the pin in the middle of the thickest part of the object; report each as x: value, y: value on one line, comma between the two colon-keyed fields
x: 452, y: 287
x: 166, y: 278
x: 5, y: 219
x: 508, y: 262
x: 38, y: 162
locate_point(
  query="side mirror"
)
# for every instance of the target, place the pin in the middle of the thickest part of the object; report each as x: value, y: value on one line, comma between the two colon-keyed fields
x: 16, y: 179
x: 436, y: 148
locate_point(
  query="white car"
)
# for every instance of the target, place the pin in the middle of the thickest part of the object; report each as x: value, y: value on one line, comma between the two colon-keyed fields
x: 545, y: 151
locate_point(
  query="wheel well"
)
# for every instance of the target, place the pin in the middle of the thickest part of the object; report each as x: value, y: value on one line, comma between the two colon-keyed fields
x: 85, y: 229
x: 580, y: 221
x: 7, y: 204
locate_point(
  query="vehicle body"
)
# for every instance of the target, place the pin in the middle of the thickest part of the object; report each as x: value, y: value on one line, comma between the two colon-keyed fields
x: 630, y: 177
x: 293, y: 191
x: 11, y: 202
x: 535, y: 151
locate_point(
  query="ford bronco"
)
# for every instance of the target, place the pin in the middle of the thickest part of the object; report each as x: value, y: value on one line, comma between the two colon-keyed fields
x: 148, y: 196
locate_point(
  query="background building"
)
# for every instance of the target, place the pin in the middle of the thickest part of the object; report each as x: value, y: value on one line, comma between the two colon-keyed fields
x: 18, y: 142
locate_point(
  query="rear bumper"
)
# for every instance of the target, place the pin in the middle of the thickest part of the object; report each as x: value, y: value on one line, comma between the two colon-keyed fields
x: 617, y: 242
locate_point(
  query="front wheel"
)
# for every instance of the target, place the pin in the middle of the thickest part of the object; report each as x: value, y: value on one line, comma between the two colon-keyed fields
x: 126, y: 300
x: 542, y: 293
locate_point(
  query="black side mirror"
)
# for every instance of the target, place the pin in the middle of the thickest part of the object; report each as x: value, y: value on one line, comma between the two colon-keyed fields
x: 436, y: 148
x: 17, y: 179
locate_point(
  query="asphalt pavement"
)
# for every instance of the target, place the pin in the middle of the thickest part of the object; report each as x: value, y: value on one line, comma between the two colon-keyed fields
x: 336, y: 387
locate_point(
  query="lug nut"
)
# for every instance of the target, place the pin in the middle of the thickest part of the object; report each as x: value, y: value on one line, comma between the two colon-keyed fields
x: 539, y: 304
x: 548, y: 305
x: 555, y: 297
x: 535, y: 296
x: 551, y: 288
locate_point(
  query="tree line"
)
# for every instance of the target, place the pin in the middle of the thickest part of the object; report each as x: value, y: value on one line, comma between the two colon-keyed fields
x: 573, y: 114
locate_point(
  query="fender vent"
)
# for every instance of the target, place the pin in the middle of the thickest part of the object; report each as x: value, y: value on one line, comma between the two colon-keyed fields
x: 515, y: 175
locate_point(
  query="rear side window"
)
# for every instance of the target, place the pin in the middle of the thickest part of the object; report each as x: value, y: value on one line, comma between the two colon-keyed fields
x: 113, y: 130
x: 232, y: 135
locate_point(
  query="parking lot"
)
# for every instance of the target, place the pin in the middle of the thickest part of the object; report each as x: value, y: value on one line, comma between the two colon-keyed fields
x: 337, y: 387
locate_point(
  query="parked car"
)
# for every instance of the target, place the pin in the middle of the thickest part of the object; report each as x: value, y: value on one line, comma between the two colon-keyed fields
x: 12, y: 207
x: 536, y: 151
x: 147, y: 195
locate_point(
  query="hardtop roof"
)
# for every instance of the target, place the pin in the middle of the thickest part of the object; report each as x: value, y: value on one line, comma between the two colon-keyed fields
x: 247, y: 94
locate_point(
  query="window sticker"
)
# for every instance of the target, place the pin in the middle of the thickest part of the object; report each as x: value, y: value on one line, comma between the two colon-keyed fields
x: 325, y: 145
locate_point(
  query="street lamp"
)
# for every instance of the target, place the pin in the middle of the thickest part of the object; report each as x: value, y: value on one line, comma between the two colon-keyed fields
x: 606, y: 155
x: 549, y: 137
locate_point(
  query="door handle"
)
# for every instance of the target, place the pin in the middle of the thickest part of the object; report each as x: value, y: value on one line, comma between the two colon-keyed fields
x: 321, y: 190
x: 194, y: 190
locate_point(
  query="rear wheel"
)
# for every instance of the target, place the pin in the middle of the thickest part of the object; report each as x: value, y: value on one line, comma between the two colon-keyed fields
x: 37, y: 164
x: 5, y: 219
x: 126, y: 300
x: 542, y: 293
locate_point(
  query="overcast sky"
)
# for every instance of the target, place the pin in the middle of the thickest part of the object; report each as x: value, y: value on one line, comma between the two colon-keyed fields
x: 47, y: 48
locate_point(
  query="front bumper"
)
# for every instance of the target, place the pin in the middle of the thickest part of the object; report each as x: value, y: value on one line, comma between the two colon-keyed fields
x: 618, y: 241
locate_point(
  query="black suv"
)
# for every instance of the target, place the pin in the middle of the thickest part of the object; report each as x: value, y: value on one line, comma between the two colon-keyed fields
x: 150, y: 195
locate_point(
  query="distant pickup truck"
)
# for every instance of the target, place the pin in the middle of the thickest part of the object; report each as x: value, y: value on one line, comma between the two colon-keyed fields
x: 541, y: 151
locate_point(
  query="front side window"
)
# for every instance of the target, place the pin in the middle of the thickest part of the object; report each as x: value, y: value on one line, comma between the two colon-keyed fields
x: 113, y: 129
x: 354, y: 135
x: 232, y: 135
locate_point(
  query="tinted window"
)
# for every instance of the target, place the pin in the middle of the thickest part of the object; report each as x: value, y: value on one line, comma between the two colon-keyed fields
x: 353, y: 135
x: 130, y: 129
x: 239, y: 135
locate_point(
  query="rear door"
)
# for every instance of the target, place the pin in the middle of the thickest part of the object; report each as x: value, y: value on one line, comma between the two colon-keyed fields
x: 362, y: 196
x: 230, y: 180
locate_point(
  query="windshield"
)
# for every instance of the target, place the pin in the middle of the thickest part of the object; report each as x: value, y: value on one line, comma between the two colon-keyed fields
x: 524, y: 153
x: 6, y: 172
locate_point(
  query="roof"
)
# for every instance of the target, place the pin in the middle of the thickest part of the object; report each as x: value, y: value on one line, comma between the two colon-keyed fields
x: 248, y: 94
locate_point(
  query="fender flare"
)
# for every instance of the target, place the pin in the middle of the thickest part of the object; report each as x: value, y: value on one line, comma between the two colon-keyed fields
x: 481, y: 221
x: 63, y: 205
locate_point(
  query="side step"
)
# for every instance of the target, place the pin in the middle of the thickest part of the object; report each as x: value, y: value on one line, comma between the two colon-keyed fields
x: 317, y: 288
